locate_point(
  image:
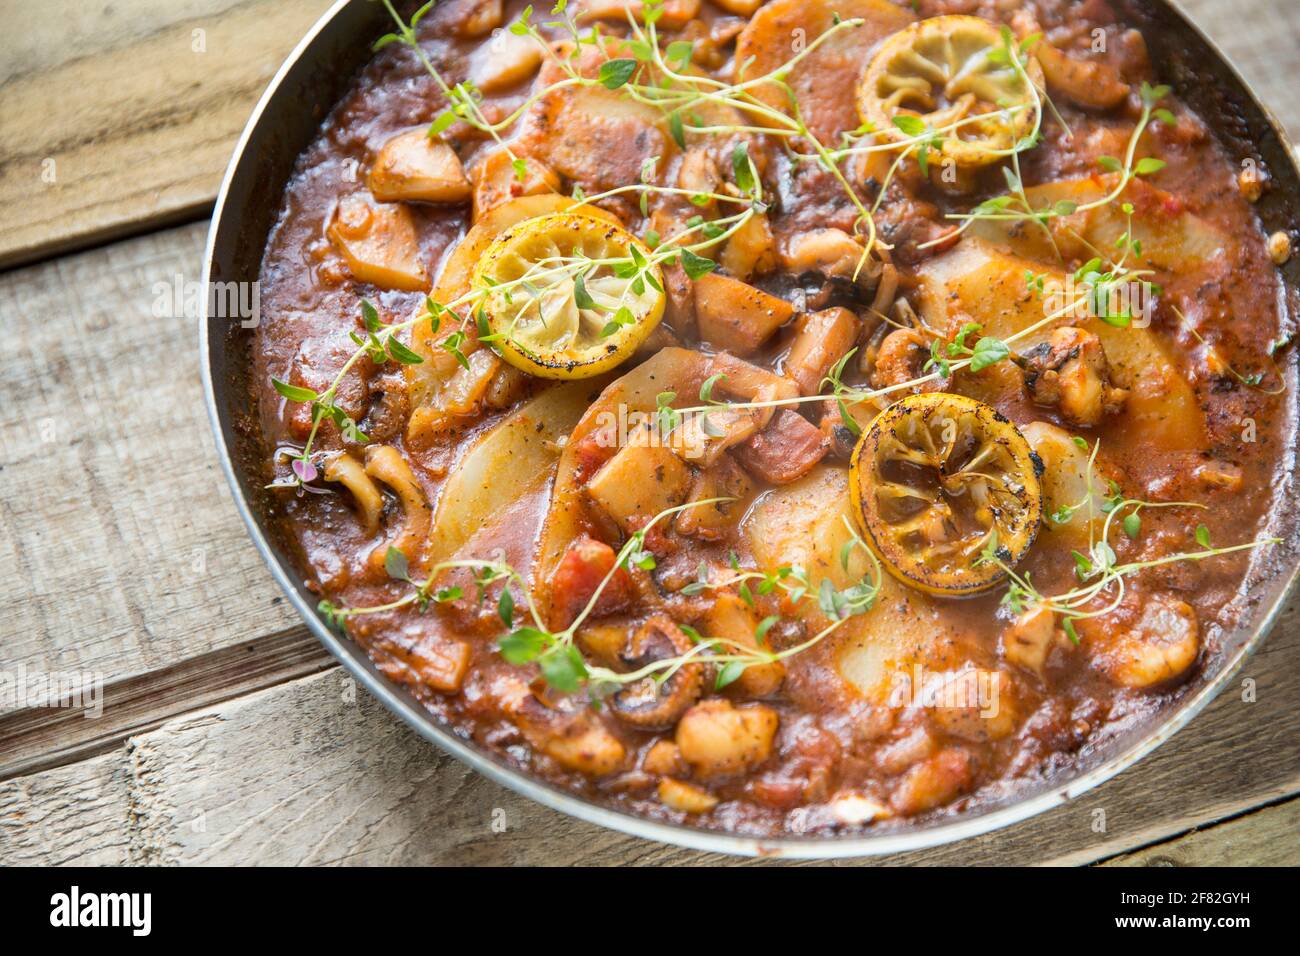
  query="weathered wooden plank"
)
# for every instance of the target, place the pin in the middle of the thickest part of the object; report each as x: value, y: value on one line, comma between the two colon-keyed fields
x: 35, y: 738
x: 150, y: 100
x: 341, y: 782
x: 122, y: 551
x: 73, y: 815
x: 1266, y: 837
x: 315, y: 771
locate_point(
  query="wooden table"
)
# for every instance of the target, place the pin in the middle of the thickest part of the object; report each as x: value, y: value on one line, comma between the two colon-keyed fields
x: 227, y: 735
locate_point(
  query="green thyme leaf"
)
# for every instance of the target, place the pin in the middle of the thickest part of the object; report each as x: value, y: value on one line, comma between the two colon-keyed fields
x: 616, y: 73
x: 696, y: 266
x: 1082, y: 564
x: 523, y: 646
x: 370, y: 316
x: 401, y: 353
x: 563, y: 668
x: 396, y: 565
x: 581, y: 298
x: 729, y: 673
x: 706, y: 390
x: 1071, y: 633
x: 452, y: 344
x: 441, y: 124
x: 676, y: 129
x: 742, y: 168
x: 910, y: 125
x: 678, y: 53
x: 294, y: 393
x: 988, y: 351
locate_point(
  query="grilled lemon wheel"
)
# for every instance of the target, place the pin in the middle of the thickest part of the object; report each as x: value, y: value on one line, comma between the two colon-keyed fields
x: 946, y: 70
x: 558, y: 298
x: 933, y: 479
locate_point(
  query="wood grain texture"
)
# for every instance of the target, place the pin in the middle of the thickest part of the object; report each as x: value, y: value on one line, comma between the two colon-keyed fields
x: 170, y: 87
x: 1262, y: 39
x: 315, y: 771
x: 121, y: 548
x: 74, y: 815
x: 1265, y: 837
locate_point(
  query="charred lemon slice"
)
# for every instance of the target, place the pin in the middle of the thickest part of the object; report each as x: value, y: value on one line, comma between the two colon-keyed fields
x: 568, y: 296
x: 933, y: 480
x: 953, y: 74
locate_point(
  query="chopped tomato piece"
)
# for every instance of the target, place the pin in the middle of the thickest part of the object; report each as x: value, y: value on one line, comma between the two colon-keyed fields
x: 592, y: 451
x: 578, y: 575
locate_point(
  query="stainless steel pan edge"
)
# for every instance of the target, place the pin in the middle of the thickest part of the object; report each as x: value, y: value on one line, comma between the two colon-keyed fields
x: 283, y: 123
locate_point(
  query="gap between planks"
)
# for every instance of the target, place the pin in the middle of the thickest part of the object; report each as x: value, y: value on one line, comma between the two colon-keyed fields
x: 1260, y: 836
x: 41, y: 738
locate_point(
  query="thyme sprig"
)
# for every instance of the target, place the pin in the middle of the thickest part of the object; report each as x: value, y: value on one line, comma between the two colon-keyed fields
x: 1094, y: 285
x: 1014, y: 205
x: 732, y: 657
x: 1101, y: 573
x: 556, y: 653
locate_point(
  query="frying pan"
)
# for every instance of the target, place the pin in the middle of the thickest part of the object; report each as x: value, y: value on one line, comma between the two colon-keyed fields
x: 287, y: 119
